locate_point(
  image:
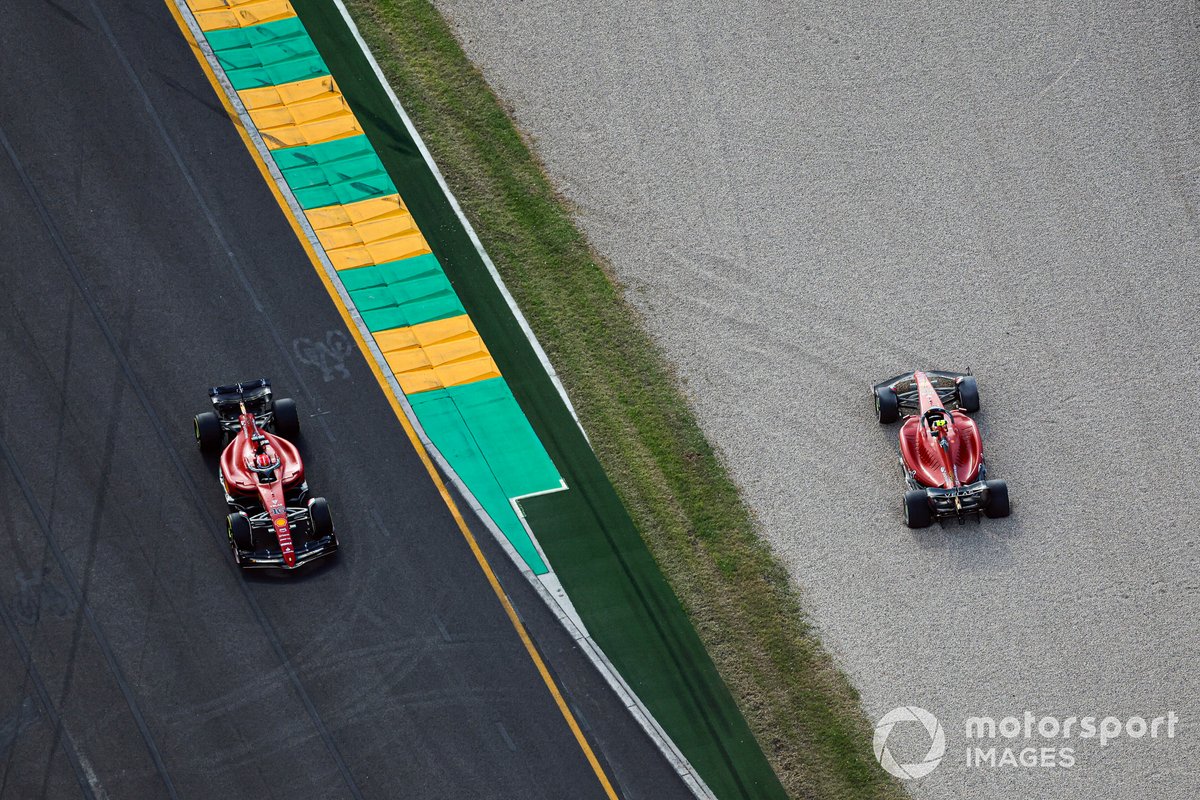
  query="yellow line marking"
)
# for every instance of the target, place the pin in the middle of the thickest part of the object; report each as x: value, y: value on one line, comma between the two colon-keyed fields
x: 480, y: 558
x: 309, y: 111
x: 367, y: 232
x: 214, y: 15
x: 438, y: 354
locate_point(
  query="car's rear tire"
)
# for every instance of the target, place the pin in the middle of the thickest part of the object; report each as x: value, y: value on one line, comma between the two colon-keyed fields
x: 319, y: 519
x: 207, y: 427
x: 917, y: 513
x: 997, y: 499
x: 287, y: 419
x: 887, y: 406
x: 968, y: 394
x: 240, y: 535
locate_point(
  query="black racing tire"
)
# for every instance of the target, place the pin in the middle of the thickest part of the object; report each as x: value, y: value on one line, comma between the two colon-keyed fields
x: 287, y: 419
x: 997, y: 499
x: 240, y: 536
x: 968, y: 394
x: 917, y: 513
x: 887, y: 406
x: 207, y: 427
x: 319, y: 519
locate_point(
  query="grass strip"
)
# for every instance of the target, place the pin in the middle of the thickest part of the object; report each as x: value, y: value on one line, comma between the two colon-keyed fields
x: 802, y: 710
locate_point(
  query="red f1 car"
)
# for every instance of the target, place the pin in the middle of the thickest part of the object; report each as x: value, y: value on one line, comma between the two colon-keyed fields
x: 272, y: 521
x: 940, y: 449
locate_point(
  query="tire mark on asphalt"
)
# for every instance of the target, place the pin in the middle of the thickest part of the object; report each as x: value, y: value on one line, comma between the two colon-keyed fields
x: 27, y: 491
x: 88, y: 615
x: 89, y: 561
x: 160, y: 430
x: 60, y: 732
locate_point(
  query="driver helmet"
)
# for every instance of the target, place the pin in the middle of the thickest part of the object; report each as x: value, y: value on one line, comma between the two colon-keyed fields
x: 263, y: 460
x: 939, y: 424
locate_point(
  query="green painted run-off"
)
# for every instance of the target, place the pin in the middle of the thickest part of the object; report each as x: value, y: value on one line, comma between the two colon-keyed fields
x: 481, y: 430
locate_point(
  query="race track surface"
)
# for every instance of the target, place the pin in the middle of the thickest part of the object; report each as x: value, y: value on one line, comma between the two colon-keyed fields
x: 806, y: 198
x: 142, y: 259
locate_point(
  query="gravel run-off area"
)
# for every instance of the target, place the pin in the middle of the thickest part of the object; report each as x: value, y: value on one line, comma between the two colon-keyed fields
x: 803, y: 199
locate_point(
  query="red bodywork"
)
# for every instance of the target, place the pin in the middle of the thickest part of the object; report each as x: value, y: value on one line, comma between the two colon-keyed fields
x: 239, y: 479
x: 942, y: 459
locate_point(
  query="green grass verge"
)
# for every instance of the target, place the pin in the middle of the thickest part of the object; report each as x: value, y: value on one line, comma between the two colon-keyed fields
x: 802, y: 710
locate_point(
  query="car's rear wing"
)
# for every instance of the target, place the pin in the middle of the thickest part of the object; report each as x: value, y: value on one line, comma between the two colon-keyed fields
x: 905, y: 389
x: 227, y: 400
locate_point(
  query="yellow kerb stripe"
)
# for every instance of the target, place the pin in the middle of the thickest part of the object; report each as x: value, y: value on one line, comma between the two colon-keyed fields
x: 438, y: 354
x: 305, y: 112
x: 375, y: 231
x: 215, y: 15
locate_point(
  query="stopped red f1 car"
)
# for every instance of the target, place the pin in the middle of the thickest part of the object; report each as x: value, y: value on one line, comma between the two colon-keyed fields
x: 940, y: 449
x: 272, y: 522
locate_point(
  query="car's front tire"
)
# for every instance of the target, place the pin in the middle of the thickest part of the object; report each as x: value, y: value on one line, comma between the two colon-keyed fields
x: 997, y: 499
x: 887, y: 406
x: 240, y: 536
x: 917, y: 513
x: 287, y: 419
x: 319, y: 519
x: 207, y: 428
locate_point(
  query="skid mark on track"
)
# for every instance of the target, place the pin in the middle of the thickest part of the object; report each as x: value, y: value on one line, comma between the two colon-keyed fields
x: 89, y: 561
x: 89, y: 784
x: 86, y: 614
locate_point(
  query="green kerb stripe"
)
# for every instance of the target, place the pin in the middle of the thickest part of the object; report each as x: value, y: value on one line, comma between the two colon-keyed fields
x: 402, y: 293
x: 481, y: 431
x: 332, y: 173
x: 268, y: 54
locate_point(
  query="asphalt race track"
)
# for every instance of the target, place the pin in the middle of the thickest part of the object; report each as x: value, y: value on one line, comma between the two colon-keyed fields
x: 806, y: 198
x: 142, y: 260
